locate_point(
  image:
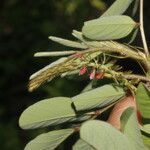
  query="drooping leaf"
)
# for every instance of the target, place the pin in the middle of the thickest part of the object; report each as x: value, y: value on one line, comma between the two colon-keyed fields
x: 98, y: 97
x: 108, y: 28
x: 102, y: 136
x: 68, y: 42
x: 47, y: 112
x: 49, y: 141
x: 143, y: 100
x: 117, y: 8
x: 130, y: 127
x: 82, y: 145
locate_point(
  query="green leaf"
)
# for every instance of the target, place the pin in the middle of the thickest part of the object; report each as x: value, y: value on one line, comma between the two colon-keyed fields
x: 55, y: 53
x: 80, y: 118
x: 135, y: 7
x: 47, y: 112
x: 108, y: 28
x: 82, y: 145
x: 98, y: 97
x: 146, y: 141
x: 146, y: 128
x: 143, y: 100
x: 103, y: 136
x: 133, y: 36
x: 88, y: 87
x: 78, y: 35
x: 89, y: 42
x: 49, y: 141
x: 130, y: 127
x: 68, y: 42
x: 117, y: 8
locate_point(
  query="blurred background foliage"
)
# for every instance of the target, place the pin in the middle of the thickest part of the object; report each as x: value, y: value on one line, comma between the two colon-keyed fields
x: 24, y: 29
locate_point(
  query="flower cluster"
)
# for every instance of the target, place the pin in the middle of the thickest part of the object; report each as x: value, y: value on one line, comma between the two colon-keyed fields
x: 93, y: 74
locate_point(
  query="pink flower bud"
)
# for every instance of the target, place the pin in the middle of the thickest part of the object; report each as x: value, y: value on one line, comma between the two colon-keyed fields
x: 83, y: 71
x: 92, y: 75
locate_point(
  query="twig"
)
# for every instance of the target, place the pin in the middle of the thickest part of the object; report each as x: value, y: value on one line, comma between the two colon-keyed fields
x: 142, y: 29
x: 141, y: 78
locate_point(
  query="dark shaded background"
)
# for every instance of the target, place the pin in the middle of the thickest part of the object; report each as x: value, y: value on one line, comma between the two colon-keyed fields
x: 24, y: 29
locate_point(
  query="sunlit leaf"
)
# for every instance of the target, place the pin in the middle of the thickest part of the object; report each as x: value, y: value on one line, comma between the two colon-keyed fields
x: 49, y: 141
x: 143, y: 100
x: 98, y: 97
x: 108, y: 28
x: 130, y: 127
x: 103, y: 136
x: 117, y: 8
x: 47, y: 112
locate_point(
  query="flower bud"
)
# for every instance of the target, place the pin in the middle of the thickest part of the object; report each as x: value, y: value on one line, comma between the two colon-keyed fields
x: 83, y: 71
x: 99, y: 76
x: 92, y: 75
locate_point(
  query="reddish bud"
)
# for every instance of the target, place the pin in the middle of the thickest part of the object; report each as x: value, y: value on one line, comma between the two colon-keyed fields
x: 83, y: 71
x: 99, y: 76
x: 92, y: 75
